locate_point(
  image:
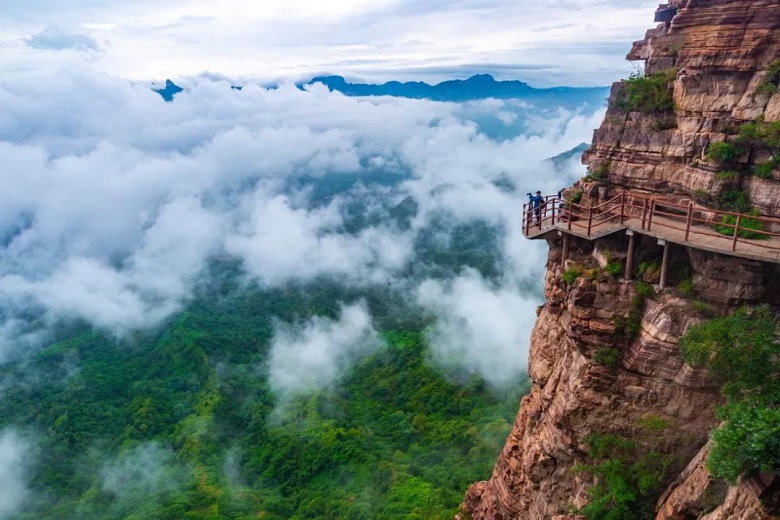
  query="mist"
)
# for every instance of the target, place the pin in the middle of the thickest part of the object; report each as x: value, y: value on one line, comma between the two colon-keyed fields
x: 116, y: 201
x: 313, y: 355
x: 15, y: 462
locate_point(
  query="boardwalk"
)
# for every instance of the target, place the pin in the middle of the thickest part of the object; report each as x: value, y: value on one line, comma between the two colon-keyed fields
x: 684, y: 224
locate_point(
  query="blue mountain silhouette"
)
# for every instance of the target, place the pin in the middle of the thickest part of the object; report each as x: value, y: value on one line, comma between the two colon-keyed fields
x: 480, y: 86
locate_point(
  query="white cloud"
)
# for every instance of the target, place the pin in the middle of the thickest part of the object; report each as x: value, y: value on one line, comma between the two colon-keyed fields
x: 116, y: 200
x: 481, y: 328
x: 155, y: 282
x: 312, y: 356
x: 280, y: 243
x: 57, y: 39
x: 576, y: 42
x: 15, y: 455
x: 139, y: 475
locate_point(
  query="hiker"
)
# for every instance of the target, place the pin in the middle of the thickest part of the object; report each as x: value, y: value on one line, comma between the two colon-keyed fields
x: 537, y: 202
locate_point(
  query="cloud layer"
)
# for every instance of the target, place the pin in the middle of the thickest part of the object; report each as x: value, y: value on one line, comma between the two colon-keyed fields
x: 573, y: 42
x: 14, y: 464
x: 479, y: 327
x: 116, y: 201
x: 312, y: 356
x: 56, y: 39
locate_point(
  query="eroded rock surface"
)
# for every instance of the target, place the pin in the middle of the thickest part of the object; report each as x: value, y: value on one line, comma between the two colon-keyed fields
x: 718, y: 52
x: 696, y: 495
x: 573, y: 395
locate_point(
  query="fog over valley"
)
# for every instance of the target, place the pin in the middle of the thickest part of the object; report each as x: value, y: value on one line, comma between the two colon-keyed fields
x: 317, y: 232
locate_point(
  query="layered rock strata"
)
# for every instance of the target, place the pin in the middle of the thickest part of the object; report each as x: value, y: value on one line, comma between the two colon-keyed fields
x: 573, y: 394
x: 716, y: 54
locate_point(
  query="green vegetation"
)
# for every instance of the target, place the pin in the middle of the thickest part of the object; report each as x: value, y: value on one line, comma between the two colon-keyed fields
x: 739, y: 202
x: 748, y: 226
x: 631, y: 324
x: 628, y: 479
x: 593, y: 274
x: 760, y: 136
x: 727, y: 175
x: 742, y: 354
x: 724, y: 153
x: 734, y: 200
x: 764, y: 137
x: 614, y: 268
x: 571, y: 274
x: 576, y: 197
x: 771, y: 80
x: 649, y: 271
x: 686, y: 287
x: 653, y: 423
x: 181, y: 423
x: 663, y: 122
x: 600, y: 173
x: 714, y: 495
x: 649, y: 94
x: 704, y: 197
x: 644, y: 290
x: 764, y: 170
x: 606, y: 356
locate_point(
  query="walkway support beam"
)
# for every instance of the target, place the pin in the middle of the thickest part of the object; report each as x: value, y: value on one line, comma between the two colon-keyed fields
x: 630, y: 256
x: 688, y: 221
x: 566, y: 247
x: 664, y: 264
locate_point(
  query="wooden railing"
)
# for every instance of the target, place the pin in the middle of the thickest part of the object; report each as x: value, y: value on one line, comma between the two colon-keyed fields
x: 652, y: 214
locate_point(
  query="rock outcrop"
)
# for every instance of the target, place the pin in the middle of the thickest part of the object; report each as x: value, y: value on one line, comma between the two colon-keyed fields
x: 604, y: 358
x: 718, y: 52
x: 697, y: 495
x: 575, y: 393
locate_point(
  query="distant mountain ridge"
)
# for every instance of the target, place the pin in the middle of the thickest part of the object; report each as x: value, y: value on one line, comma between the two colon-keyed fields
x: 476, y: 87
x: 480, y: 86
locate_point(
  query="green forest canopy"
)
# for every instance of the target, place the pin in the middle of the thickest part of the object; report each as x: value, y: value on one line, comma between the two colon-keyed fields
x: 180, y: 422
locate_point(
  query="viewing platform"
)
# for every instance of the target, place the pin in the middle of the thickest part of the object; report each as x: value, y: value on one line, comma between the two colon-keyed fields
x: 690, y: 225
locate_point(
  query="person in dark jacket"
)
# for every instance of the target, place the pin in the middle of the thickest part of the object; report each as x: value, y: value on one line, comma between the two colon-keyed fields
x: 537, y: 202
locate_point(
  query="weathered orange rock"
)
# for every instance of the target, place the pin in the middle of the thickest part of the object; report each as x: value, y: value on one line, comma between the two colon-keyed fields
x: 697, y: 495
x: 720, y: 50
x: 573, y: 396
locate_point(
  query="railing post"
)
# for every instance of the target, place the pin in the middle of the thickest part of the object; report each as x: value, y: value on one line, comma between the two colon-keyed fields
x: 566, y: 246
x: 622, y: 205
x: 736, y: 233
x: 554, y: 205
x: 644, y: 212
x: 590, y: 218
x: 664, y: 264
x: 689, y: 221
x: 570, y: 216
x: 650, y: 216
x: 630, y: 256
x: 526, y: 220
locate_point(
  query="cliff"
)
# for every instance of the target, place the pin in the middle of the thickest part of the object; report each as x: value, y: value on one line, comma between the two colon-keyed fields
x: 604, y: 355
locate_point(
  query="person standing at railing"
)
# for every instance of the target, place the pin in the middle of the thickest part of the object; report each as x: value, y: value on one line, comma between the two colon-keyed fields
x: 537, y: 202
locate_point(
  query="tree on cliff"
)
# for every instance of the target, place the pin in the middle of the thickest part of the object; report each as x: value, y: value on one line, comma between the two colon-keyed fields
x: 742, y: 353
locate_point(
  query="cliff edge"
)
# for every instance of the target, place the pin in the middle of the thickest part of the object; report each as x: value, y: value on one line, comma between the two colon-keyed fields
x: 604, y: 356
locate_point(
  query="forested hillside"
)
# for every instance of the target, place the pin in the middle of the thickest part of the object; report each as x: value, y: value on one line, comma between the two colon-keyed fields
x: 181, y: 423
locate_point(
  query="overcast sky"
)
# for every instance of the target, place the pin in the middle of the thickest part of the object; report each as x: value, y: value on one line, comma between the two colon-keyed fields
x: 563, y: 42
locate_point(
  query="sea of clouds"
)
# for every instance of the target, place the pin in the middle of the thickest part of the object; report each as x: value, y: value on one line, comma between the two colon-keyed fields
x: 114, y: 201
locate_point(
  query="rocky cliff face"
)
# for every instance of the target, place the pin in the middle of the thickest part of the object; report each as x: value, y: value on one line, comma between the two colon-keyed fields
x: 606, y: 359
